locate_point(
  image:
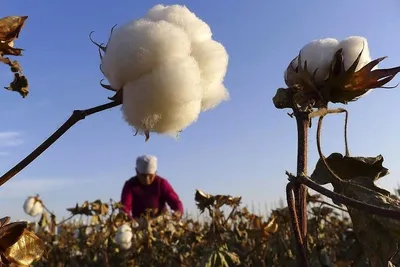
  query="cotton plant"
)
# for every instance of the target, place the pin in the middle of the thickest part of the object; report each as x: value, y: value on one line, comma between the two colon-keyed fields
x: 167, y: 68
x: 123, y: 237
x: 33, y: 206
x: 330, y: 71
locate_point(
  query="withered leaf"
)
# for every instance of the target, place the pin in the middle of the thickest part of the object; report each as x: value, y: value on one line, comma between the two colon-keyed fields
x: 99, y: 207
x: 27, y: 249
x: 19, y: 84
x: 10, y: 233
x: 379, y: 236
x: 81, y: 210
x: 203, y: 200
x: 351, y: 168
x: 6, y: 49
x: 221, y: 200
x: 10, y: 27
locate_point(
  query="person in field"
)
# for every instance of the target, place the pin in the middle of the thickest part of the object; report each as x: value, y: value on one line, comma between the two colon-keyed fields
x: 147, y: 190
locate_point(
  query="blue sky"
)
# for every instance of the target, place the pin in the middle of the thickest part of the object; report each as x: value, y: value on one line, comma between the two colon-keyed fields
x: 243, y: 147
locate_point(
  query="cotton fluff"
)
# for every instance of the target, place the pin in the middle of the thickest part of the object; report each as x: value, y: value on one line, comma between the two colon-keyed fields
x: 352, y: 47
x: 33, y: 206
x: 319, y: 55
x: 169, y: 67
x: 124, y: 236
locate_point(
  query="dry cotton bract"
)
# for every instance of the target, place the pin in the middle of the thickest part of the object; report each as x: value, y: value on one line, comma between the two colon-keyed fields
x: 169, y: 67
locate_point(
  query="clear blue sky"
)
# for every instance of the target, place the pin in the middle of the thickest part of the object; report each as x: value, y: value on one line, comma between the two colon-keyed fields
x: 241, y: 148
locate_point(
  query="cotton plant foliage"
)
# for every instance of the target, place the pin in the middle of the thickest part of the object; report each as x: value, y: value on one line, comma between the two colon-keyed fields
x: 33, y: 206
x: 169, y: 67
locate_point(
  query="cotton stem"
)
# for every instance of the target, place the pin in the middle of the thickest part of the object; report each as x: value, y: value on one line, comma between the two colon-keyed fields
x: 76, y: 116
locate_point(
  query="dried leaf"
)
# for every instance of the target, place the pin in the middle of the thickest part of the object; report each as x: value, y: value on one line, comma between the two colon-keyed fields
x: 203, y: 200
x: 379, y: 236
x: 19, y: 85
x: 27, y: 249
x: 349, y: 168
x: 10, y: 27
x: 10, y: 233
x: 81, y: 210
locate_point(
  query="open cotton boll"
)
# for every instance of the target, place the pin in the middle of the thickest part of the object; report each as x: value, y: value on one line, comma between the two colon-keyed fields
x: 182, y: 17
x: 319, y: 54
x: 166, y: 100
x: 168, y: 67
x: 289, y: 74
x: 33, y: 206
x: 213, y: 62
x: 124, y: 236
x: 137, y: 47
x: 352, y: 47
x: 125, y: 245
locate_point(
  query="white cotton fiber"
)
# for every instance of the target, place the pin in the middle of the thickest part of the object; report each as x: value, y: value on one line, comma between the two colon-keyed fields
x: 181, y: 16
x: 319, y: 54
x: 352, y: 47
x: 169, y: 67
x: 33, y: 206
x: 124, y: 236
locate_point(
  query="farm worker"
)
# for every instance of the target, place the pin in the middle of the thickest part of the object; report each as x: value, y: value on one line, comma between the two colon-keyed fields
x: 147, y: 190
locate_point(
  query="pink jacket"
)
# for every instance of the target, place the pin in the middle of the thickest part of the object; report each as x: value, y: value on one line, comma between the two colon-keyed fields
x: 136, y: 197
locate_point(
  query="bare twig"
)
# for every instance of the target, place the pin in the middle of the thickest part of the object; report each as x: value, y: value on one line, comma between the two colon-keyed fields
x: 355, y: 204
x: 76, y: 116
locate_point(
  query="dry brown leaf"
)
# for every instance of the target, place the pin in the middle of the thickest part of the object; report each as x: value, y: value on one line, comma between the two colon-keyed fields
x: 29, y: 248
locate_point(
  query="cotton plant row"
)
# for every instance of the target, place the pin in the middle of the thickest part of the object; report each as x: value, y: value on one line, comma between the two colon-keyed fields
x: 169, y: 68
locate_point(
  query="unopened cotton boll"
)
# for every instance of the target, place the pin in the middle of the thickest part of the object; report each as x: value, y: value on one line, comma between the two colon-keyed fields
x: 169, y: 68
x: 352, y: 47
x: 33, y: 206
x: 319, y: 54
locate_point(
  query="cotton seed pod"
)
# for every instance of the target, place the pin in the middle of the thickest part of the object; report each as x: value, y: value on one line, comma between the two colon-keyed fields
x: 33, y: 206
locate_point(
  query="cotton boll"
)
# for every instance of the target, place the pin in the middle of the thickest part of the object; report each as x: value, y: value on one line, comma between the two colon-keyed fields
x: 319, y: 54
x: 33, y: 206
x: 213, y: 62
x: 352, y: 47
x: 290, y: 74
x: 167, y: 100
x: 136, y: 47
x: 182, y: 17
x: 169, y: 68
x: 124, y: 236
x: 125, y: 245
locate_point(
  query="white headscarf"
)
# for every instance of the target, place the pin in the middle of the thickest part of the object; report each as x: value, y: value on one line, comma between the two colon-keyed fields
x: 146, y: 164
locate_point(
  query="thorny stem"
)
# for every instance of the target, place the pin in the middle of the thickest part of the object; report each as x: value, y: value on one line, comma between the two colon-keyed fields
x: 355, y: 204
x: 76, y: 116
